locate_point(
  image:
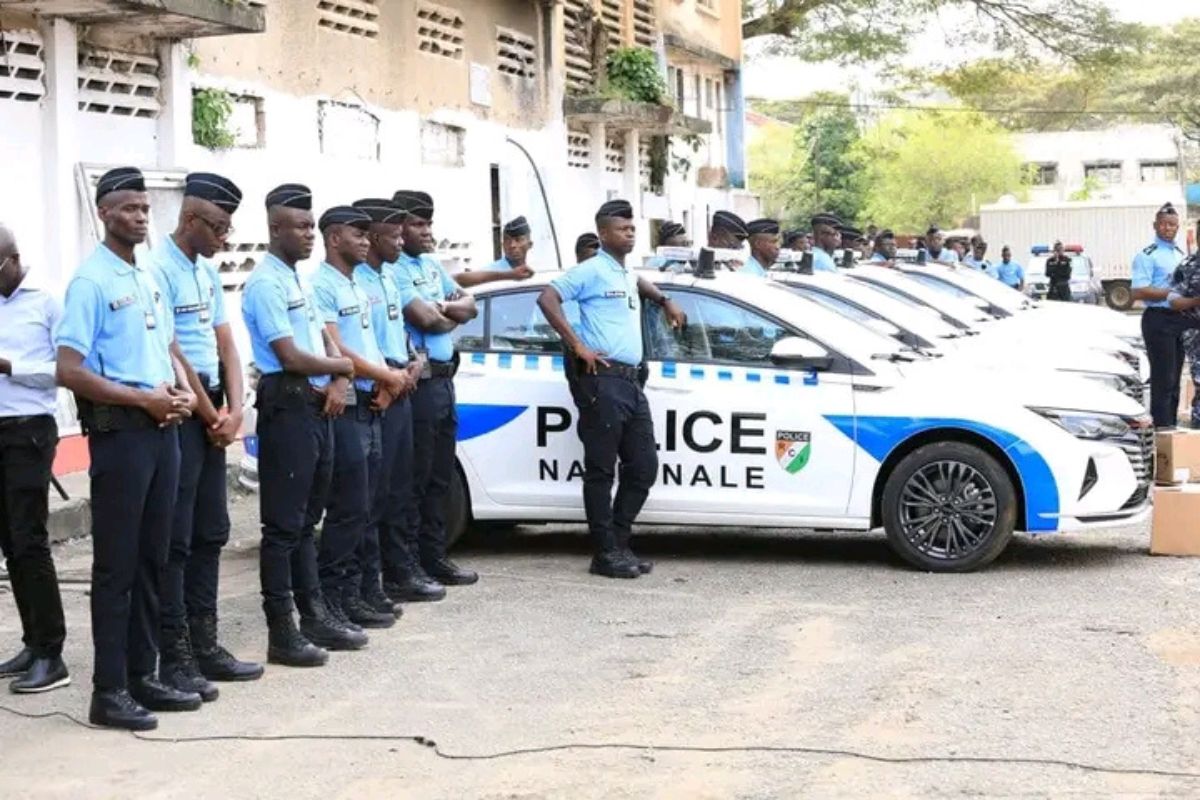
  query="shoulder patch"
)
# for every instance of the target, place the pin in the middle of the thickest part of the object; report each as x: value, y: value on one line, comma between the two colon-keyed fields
x: 1150, y: 250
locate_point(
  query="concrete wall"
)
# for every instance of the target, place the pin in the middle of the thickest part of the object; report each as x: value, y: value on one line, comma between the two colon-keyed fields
x: 714, y: 24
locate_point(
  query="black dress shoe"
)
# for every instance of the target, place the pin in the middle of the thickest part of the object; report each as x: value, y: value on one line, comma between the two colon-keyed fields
x: 415, y: 589
x: 43, y: 675
x: 158, y: 696
x: 448, y: 573
x: 18, y: 665
x: 118, y: 709
x: 614, y: 565
x: 363, y: 615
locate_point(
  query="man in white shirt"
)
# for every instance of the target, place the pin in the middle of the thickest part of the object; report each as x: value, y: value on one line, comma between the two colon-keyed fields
x: 28, y: 438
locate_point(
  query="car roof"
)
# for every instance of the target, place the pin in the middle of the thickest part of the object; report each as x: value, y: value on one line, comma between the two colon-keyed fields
x: 918, y: 319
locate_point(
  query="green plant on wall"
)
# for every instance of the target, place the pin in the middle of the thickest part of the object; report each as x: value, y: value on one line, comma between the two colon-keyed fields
x: 633, y: 74
x: 211, y: 110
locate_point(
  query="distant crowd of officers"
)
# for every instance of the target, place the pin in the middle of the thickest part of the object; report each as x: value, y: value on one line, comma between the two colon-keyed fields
x: 356, y: 421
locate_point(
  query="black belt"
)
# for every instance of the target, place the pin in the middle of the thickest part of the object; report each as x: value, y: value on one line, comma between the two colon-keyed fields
x: 102, y: 418
x: 442, y: 369
x: 619, y: 370
x: 12, y: 422
x: 394, y: 364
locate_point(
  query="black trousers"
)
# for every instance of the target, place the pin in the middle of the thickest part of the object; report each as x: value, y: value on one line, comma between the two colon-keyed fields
x: 199, y: 529
x: 134, y: 478
x: 295, y: 465
x: 1059, y: 291
x: 435, y: 432
x: 614, y: 425
x: 1162, y: 331
x: 356, y: 453
x: 392, y: 508
x: 27, y: 448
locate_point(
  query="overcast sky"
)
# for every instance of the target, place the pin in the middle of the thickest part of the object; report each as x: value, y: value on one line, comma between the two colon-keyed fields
x: 781, y: 78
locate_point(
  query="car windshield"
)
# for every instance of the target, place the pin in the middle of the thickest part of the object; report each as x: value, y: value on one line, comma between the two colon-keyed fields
x: 961, y: 321
x: 1080, y: 268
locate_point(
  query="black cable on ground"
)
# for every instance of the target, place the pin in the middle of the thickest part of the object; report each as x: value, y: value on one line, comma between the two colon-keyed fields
x: 430, y: 744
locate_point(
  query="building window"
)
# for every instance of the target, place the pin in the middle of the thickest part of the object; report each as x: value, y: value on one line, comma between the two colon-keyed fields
x: 645, y: 28
x: 21, y: 66
x: 707, y: 5
x: 1104, y: 172
x: 679, y: 92
x: 1160, y: 172
x: 516, y: 54
x: 440, y: 31
x: 1043, y: 174
x: 248, y: 122
x: 121, y: 84
x: 353, y: 17
x: 347, y: 130
x: 442, y: 145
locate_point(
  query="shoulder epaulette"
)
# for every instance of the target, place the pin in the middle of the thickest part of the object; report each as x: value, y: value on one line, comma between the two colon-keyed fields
x: 1150, y: 250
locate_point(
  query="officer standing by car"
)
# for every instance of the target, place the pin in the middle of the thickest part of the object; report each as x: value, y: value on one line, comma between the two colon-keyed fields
x: 302, y: 388
x: 1009, y: 272
x: 439, y: 306
x: 1058, y: 273
x: 764, y: 247
x: 114, y: 354
x: 935, y: 251
x: 398, y: 557
x: 586, y: 246
x: 884, y: 254
x: 977, y: 258
x: 670, y: 234
x: 606, y: 374
x: 191, y: 655
x: 515, y: 242
x: 1162, y: 326
x: 727, y: 231
x: 827, y: 236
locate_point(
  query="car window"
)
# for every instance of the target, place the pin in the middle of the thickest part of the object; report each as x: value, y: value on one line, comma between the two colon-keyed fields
x: 942, y: 286
x: 836, y: 304
x: 470, y: 336
x: 717, y: 330
x: 517, y: 324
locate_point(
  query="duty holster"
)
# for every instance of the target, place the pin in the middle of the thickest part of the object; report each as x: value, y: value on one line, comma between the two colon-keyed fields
x: 284, y: 391
x: 103, y: 418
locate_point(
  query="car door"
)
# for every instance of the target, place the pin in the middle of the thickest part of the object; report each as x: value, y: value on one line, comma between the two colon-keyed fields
x: 516, y: 419
x: 739, y: 437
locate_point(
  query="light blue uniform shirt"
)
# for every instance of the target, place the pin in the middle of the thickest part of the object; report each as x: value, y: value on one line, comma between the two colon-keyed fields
x: 117, y: 318
x: 387, y: 311
x: 30, y: 319
x: 822, y: 261
x: 1010, y: 273
x: 343, y: 302
x: 877, y: 258
x: 500, y: 265
x: 197, y: 303
x: 945, y: 256
x: 753, y: 268
x: 983, y: 265
x: 278, y: 303
x: 1153, y: 268
x: 609, y: 308
x: 424, y: 277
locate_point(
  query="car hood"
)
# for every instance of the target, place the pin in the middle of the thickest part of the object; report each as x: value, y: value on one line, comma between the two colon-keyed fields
x: 1088, y: 317
x: 1020, y: 345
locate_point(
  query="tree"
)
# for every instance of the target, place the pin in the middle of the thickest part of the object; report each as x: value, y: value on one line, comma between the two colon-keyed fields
x: 775, y: 163
x: 1084, y: 31
x: 829, y: 179
x: 924, y: 168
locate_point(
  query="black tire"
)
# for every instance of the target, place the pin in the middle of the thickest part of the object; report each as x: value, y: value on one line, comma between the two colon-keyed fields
x: 949, y: 507
x: 1118, y: 296
x: 458, y: 511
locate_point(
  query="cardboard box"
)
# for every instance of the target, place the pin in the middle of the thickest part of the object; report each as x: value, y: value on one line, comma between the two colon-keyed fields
x: 1176, y: 528
x: 1176, y: 450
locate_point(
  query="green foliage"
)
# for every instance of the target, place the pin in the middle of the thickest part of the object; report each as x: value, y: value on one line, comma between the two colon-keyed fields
x: 633, y: 74
x: 922, y: 168
x: 775, y: 162
x: 1091, y: 185
x: 211, y: 110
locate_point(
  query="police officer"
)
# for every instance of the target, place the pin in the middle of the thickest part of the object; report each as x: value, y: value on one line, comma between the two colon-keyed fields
x: 439, y: 306
x: 827, y: 236
x: 511, y: 266
x: 935, y: 251
x: 764, y: 247
x: 1162, y: 325
x: 670, y: 234
x: 397, y: 555
x: 586, y: 246
x: 303, y: 387
x: 797, y: 241
x: 114, y: 354
x: 1185, y: 298
x: 884, y: 252
x: 1009, y: 272
x: 1058, y: 272
x: 727, y: 231
x: 977, y: 258
x: 191, y: 655
x: 853, y: 242
x: 357, y: 434
x: 28, y: 438
x: 606, y: 375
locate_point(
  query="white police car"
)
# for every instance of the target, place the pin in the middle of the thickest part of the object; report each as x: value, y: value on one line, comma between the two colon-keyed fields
x: 773, y: 411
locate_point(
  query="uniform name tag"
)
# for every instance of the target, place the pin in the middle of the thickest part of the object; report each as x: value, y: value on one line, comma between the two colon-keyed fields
x: 348, y: 311
x: 294, y: 304
x: 121, y: 302
x: 190, y: 309
x: 615, y: 293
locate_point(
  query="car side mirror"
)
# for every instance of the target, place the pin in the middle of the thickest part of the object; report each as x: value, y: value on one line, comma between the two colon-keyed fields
x: 798, y: 353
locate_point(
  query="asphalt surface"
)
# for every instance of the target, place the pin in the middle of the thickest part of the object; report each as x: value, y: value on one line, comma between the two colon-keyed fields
x: 1078, y: 649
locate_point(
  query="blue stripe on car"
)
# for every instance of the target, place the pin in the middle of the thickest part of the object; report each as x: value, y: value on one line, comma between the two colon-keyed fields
x: 479, y: 419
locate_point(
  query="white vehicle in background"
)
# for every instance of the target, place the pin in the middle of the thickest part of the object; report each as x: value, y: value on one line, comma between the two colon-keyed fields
x: 773, y: 411
x: 1085, y: 284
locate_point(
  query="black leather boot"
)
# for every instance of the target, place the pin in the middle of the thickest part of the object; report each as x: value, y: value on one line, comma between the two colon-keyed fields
x: 116, y: 708
x: 614, y: 564
x: 323, y: 629
x: 43, y: 675
x: 645, y: 566
x: 177, y: 666
x: 17, y: 665
x: 364, y: 616
x: 446, y: 572
x: 286, y: 646
x: 157, y: 696
x: 215, y: 662
x: 417, y: 588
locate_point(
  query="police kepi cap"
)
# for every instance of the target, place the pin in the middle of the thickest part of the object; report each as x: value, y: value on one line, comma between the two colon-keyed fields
x: 344, y: 215
x: 221, y: 192
x: 417, y: 203
x: 290, y: 195
x: 791, y: 236
x: 886, y: 233
x: 121, y: 179
x: 832, y: 220
x: 587, y: 241
x: 933, y: 230
x: 517, y: 227
x: 1168, y: 209
x: 768, y: 226
x: 851, y: 234
x: 615, y: 208
x: 670, y: 229
x: 380, y: 209
x: 728, y: 221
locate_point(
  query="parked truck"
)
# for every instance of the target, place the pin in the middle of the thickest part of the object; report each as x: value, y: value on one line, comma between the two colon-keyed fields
x: 1109, y: 232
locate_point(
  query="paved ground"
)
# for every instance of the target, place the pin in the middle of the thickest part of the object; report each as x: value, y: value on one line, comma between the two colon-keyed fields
x: 1073, y: 649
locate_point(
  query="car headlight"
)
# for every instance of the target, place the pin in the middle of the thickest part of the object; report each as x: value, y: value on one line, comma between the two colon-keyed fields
x: 1133, y: 341
x: 1085, y: 424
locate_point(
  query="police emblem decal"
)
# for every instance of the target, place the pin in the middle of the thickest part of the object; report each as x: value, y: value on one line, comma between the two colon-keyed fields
x: 792, y: 450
